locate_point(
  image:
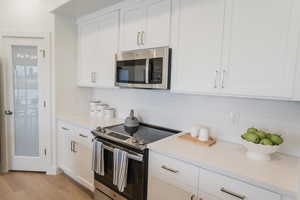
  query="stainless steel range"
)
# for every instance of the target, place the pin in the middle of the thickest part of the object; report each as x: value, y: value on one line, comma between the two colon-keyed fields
x: 136, y: 146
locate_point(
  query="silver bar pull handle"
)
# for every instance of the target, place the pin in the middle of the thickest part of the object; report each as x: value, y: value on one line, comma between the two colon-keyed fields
x: 71, y: 146
x: 216, y: 78
x: 64, y: 128
x: 169, y: 169
x: 84, y: 136
x: 74, y: 147
x: 143, y: 38
x: 242, y: 197
x: 223, y: 77
x: 138, y: 39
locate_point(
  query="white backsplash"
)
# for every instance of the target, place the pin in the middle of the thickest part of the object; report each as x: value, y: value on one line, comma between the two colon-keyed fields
x: 227, y: 117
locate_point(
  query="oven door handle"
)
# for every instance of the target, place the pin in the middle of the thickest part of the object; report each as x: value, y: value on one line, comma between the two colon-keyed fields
x: 138, y: 157
x: 135, y: 156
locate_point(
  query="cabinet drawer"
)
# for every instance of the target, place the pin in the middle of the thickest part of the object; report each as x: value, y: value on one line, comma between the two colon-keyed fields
x: 231, y: 189
x: 85, y: 137
x: 173, y: 171
x: 64, y: 127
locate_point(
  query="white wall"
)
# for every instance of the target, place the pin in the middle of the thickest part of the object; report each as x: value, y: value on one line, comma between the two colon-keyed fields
x: 69, y: 98
x: 182, y: 111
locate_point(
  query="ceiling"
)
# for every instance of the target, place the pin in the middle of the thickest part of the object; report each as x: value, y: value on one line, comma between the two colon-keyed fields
x: 77, y: 8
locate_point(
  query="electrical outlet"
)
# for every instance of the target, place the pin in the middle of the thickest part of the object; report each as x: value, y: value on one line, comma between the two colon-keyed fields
x: 234, y: 118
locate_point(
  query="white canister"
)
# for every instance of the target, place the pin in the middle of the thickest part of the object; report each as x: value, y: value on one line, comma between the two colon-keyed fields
x: 203, y: 135
x: 195, y: 131
x: 93, y: 105
x: 109, y: 113
x: 100, y: 109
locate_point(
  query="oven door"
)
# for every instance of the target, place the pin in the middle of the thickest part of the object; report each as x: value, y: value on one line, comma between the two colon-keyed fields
x: 136, y: 188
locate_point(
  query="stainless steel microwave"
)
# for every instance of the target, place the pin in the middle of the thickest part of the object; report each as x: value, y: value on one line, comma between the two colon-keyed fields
x: 144, y: 68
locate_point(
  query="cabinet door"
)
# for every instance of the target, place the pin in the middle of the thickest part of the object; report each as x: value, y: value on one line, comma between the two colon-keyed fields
x: 157, y: 24
x: 199, y: 52
x: 84, y: 165
x: 256, y: 55
x: 69, y: 156
x: 108, y: 45
x: 131, y: 27
x: 88, y: 50
x: 159, y: 190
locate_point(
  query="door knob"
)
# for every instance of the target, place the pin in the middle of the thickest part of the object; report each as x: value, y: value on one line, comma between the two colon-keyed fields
x: 8, y: 112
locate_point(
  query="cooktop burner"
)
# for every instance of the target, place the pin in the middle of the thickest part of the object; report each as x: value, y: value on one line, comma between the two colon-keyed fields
x: 145, y: 134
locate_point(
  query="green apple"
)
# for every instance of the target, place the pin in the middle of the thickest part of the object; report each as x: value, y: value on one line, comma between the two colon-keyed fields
x: 268, y: 135
x: 266, y: 141
x: 276, y: 139
x: 252, y: 130
x: 252, y: 137
x: 261, y: 134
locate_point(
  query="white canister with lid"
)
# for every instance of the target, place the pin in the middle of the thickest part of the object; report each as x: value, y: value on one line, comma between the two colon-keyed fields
x: 203, y: 134
x: 93, y: 105
x: 109, y: 113
x: 195, y: 130
x: 100, y: 109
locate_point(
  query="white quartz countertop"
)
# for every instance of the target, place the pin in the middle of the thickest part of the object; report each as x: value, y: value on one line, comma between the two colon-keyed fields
x: 281, y: 174
x: 88, y: 122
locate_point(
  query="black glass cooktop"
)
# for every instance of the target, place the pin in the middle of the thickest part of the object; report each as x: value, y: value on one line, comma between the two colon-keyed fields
x: 146, y: 133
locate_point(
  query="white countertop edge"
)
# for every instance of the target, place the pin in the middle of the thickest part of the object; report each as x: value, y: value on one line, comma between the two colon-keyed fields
x: 87, y: 126
x: 231, y: 174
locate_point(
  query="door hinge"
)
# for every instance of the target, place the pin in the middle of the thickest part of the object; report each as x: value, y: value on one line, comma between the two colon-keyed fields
x: 43, y: 51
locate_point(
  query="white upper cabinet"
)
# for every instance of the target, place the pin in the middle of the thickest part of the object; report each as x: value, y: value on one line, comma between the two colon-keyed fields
x: 241, y: 48
x: 131, y: 27
x: 257, y: 55
x: 145, y: 25
x: 88, y: 52
x: 98, y: 44
x: 199, y: 50
x: 157, y: 26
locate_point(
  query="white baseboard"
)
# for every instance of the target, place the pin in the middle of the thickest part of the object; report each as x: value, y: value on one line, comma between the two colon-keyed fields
x: 54, y: 171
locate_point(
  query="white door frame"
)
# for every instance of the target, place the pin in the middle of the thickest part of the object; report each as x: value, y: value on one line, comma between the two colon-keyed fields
x: 49, y: 144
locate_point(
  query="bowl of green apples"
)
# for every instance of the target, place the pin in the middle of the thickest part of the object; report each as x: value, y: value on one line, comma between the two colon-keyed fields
x: 260, y: 144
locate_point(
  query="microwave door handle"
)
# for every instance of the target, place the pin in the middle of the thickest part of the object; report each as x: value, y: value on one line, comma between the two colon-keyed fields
x: 147, y: 71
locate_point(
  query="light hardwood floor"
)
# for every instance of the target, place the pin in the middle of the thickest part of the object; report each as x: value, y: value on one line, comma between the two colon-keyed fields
x: 38, y: 186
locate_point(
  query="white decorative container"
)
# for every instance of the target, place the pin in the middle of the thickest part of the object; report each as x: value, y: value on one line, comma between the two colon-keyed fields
x: 109, y: 113
x: 259, y: 151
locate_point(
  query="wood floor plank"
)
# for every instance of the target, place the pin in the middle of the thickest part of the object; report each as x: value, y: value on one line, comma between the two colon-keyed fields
x: 38, y: 186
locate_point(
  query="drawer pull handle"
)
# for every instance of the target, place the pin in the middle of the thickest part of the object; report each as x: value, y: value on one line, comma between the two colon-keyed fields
x: 169, y: 169
x: 233, y: 193
x: 64, y: 128
x: 84, y: 136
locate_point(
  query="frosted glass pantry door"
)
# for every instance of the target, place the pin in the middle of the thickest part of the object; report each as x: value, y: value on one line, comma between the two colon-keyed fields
x: 27, y: 111
x: 26, y: 100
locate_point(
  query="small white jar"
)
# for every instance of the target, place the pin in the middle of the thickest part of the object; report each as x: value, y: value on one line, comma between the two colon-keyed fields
x: 195, y: 131
x: 109, y: 113
x: 203, y: 134
x: 100, y: 109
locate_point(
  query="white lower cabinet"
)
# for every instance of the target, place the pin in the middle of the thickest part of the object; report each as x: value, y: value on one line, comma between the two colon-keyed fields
x: 84, y: 151
x: 224, y: 187
x: 74, y: 153
x: 173, y: 179
x: 161, y: 190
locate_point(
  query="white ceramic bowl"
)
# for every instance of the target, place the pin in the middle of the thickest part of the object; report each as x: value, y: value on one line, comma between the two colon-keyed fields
x: 259, y: 151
